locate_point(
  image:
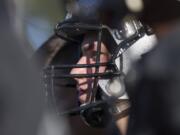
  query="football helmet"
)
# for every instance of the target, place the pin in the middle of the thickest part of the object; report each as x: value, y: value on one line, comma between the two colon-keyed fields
x: 108, y: 87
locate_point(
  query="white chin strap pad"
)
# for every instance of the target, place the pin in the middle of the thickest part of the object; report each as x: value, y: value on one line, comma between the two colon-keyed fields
x: 113, y: 88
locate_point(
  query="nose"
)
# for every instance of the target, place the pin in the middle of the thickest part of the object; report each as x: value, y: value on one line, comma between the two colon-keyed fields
x: 82, y: 60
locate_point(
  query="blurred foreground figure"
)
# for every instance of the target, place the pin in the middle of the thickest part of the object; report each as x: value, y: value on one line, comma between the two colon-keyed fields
x: 21, y: 101
x: 154, y: 83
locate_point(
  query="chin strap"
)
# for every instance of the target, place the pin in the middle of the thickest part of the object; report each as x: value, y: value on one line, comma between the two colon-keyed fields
x: 100, y: 115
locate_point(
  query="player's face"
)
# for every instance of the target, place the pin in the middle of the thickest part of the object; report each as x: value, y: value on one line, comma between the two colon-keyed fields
x: 89, y: 49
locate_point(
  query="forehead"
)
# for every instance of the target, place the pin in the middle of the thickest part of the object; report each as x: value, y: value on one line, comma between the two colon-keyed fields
x: 106, y: 39
x: 90, y: 43
x: 90, y: 38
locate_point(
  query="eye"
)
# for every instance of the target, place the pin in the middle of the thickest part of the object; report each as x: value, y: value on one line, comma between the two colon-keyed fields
x: 91, y: 54
x: 87, y: 47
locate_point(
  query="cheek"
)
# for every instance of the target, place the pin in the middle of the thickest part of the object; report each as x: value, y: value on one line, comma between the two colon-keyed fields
x: 103, y: 59
x: 82, y: 60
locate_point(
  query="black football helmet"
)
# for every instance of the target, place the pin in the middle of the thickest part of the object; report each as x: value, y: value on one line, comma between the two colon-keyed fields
x: 118, y: 37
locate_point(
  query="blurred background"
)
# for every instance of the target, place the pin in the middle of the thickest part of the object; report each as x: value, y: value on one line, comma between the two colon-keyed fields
x: 24, y: 26
x: 34, y: 21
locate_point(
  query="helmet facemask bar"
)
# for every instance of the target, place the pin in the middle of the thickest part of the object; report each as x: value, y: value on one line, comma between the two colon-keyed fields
x: 83, y: 27
x: 92, y: 93
x: 50, y: 71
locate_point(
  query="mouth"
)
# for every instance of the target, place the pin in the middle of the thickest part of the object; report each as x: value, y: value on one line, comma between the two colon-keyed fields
x: 81, y: 91
x: 82, y: 94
